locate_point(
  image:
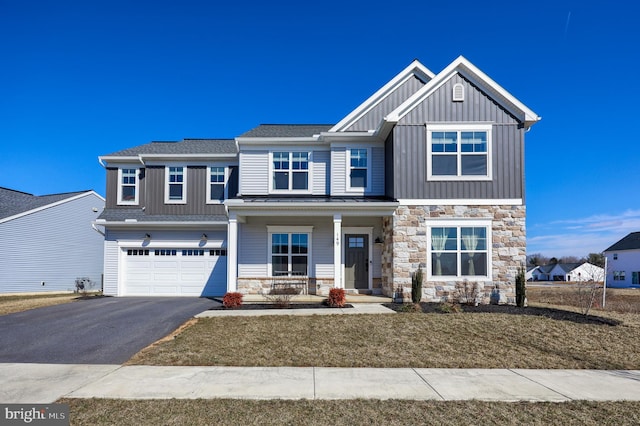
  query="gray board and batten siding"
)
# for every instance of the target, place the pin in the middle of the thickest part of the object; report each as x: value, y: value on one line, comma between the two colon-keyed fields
x: 371, y: 120
x: 54, y: 245
x: 408, y: 148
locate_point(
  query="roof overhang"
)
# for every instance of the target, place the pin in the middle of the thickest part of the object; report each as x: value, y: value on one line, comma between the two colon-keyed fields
x: 131, y: 224
x: 297, y: 208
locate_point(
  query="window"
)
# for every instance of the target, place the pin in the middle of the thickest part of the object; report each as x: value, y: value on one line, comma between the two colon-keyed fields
x: 356, y: 242
x: 358, y: 168
x: 216, y: 185
x: 289, y: 253
x: 459, y: 251
x: 166, y: 252
x: 619, y: 276
x: 635, y: 278
x: 175, y: 189
x: 290, y: 171
x: 218, y: 252
x: 459, y: 152
x: 193, y: 252
x: 128, y: 186
x: 137, y: 252
x: 615, y: 256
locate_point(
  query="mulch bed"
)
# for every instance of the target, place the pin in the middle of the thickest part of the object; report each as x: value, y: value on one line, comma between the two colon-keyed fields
x: 556, y: 314
x: 254, y: 306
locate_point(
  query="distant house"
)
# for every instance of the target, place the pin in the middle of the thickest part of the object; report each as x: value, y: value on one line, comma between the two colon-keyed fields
x: 623, y: 262
x: 566, y: 272
x: 47, y: 241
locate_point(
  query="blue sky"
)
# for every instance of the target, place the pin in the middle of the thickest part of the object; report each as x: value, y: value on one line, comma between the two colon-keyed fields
x: 81, y: 79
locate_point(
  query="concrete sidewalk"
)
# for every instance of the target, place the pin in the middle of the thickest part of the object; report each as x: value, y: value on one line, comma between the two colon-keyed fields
x: 45, y: 383
x: 358, y: 308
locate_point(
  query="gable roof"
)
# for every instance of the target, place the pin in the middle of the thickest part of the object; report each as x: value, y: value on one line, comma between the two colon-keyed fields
x: 14, y: 203
x: 286, y: 130
x: 185, y: 146
x: 630, y: 242
x: 472, y: 73
x: 415, y: 69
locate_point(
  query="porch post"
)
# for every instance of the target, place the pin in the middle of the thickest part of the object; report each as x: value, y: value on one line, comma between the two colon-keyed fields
x: 232, y: 253
x: 337, y: 251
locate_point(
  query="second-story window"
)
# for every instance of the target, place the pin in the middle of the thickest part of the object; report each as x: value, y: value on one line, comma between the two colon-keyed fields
x: 128, y: 186
x: 216, y: 184
x: 175, y: 189
x: 358, y: 168
x: 290, y: 171
x: 459, y: 152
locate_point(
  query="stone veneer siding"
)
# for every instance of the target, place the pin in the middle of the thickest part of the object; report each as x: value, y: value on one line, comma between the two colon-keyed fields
x: 405, y: 249
x: 247, y: 285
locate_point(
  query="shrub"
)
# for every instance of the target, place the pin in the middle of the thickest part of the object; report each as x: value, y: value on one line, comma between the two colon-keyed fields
x: 416, y: 286
x: 281, y: 297
x: 411, y: 307
x: 467, y: 293
x: 520, y: 288
x: 232, y: 300
x: 449, y: 308
x: 336, y: 298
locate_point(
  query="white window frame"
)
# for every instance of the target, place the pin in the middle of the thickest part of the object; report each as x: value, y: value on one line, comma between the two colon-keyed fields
x: 460, y: 223
x: 348, y: 169
x: 291, y: 171
x: 224, y: 184
x: 185, y: 171
x: 135, y: 201
x: 289, y: 230
x: 459, y: 128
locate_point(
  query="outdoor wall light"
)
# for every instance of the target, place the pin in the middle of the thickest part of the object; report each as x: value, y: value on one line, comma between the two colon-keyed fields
x: 147, y: 236
x: 204, y: 237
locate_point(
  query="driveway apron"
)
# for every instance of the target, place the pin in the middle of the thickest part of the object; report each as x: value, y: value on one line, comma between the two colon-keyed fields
x: 93, y: 331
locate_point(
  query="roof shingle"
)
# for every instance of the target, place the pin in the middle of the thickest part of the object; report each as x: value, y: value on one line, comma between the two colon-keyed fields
x: 630, y: 242
x: 15, y: 202
x: 185, y: 146
x: 286, y: 130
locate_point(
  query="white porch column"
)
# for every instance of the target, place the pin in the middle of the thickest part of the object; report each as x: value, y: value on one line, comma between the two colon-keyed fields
x: 337, y: 251
x: 232, y: 253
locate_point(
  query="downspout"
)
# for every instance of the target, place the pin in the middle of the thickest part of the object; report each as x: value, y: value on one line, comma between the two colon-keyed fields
x: 93, y: 225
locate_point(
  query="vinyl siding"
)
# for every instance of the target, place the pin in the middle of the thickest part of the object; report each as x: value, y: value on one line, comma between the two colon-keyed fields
x: 321, y: 172
x: 410, y: 155
x: 371, y: 120
x: 338, y: 171
x: 112, y: 189
x: 196, y: 193
x: 340, y: 162
x: 254, y: 172
x: 110, y: 265
x: 55, y: 245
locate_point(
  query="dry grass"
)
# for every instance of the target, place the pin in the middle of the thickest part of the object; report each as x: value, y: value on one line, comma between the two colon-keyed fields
x: 465, y: 340
x: 350, y: 412
x: 617, y: 300
x: 13, y: 304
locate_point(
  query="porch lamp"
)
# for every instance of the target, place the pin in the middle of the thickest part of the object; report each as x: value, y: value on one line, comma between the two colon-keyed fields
x: 204, y: 237
x: 147, y: 236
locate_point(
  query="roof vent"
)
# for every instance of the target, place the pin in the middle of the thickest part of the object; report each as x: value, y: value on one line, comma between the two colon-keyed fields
x: 458, y: 92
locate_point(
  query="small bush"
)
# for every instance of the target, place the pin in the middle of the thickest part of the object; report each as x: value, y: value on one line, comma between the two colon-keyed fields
x: 411, y: 307
x: 281, y: 297
x: 521, y: 295
x: 467, y: 293
x: 416, y: 286
x: 449, y: 308
x: 336, y: 298
x: 232, y: 300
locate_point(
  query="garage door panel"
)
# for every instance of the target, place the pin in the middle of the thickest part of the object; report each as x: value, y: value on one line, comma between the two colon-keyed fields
x: 201, y: 274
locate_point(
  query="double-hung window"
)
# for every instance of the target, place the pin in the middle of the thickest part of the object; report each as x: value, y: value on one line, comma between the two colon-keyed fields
x: 216, y: 185
x: 619, y: 276
x: 290, y: 171
x: 459, y: 250
x: 289, y: 250
x: 358, y: 168
x: 128, y: 186
x: 175, y: 190
x: 459, y: 152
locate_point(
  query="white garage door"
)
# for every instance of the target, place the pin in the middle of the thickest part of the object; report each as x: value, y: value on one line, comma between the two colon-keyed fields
x: 175, y: 272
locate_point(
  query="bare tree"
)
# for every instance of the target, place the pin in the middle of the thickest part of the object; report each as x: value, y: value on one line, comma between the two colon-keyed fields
x: 588, y: 288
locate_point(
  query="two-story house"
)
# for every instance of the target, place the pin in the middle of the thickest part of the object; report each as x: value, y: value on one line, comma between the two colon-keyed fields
x: 428, y: 171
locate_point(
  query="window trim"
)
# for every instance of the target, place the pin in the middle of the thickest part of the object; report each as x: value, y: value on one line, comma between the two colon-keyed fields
x: 347, y: 162
x: 136, y: 201
x: 290, y: 189
x: 462, y: 127
x: 289, y: 230
x: 185, y: 173
x: 461, y: 223
x: 208, y: 184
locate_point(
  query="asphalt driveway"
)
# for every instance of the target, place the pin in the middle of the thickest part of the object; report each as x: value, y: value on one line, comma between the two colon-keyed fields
x: 104, y: 330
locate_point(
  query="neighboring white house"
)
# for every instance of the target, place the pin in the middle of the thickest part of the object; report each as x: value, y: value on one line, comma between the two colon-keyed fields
x: 47, y: 242
x: 566, y: 272
x: 623, y: 262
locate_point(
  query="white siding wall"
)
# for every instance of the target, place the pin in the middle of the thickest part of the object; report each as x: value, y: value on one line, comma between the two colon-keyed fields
x: 110, y: 265
x: 252, y: 249
x: 628, y: 261
x: 254, y: 172
x: 55, y: 245
x: 321, y: 172
x: 338, y: 171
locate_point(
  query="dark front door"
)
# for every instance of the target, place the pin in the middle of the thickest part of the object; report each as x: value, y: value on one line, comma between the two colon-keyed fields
x: 356, y: 261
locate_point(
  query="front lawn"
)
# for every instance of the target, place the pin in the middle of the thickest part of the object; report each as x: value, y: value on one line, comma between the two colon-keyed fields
x: 431, y: 340
x: 12, y: 304
x: 349, y: 412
